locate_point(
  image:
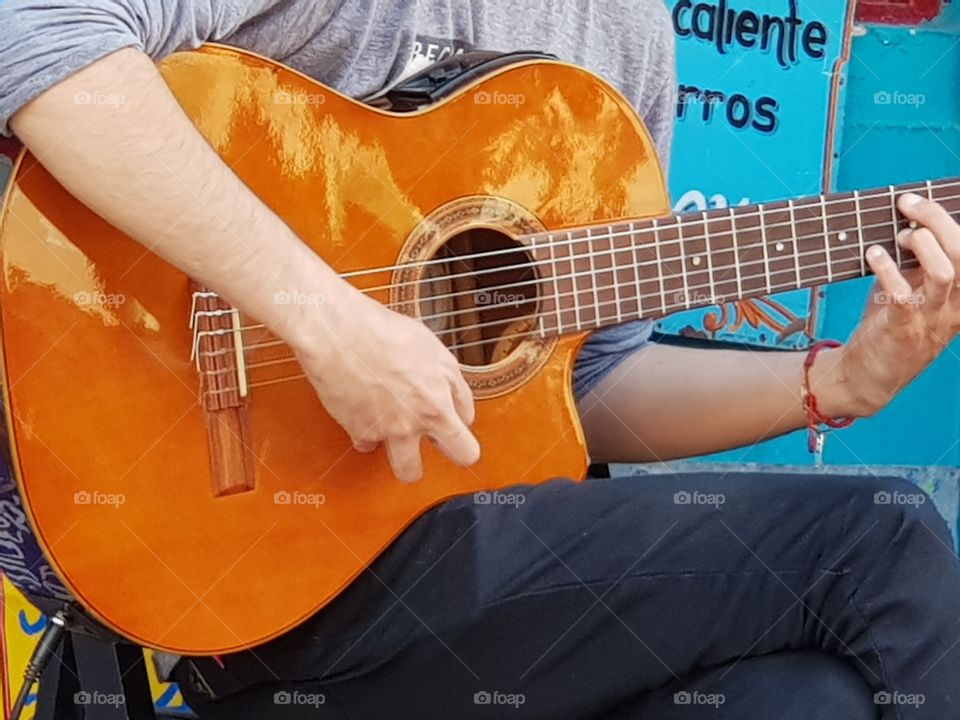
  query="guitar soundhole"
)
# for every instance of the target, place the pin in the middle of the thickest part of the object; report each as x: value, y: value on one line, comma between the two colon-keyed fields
x: 479, y: 295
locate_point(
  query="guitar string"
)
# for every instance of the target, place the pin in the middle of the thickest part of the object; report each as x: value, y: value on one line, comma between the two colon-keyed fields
x: 791, y: 258
x: 511, y: 336
x: 739, y: 264
x: 613, y: 251
x: 460, y: 346
x: 534, y: 282
x: 680, y: 218
x: 716, y: 298
x: 596, y: 291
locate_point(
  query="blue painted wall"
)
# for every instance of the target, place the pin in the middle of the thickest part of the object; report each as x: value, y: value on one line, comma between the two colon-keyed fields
x: 902, y: 123
x: 889, y: 135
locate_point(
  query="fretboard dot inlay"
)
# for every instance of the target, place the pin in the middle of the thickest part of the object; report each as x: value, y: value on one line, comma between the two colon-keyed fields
x: 696, y: 260
x: 780, y: 247
x: 842, y: 237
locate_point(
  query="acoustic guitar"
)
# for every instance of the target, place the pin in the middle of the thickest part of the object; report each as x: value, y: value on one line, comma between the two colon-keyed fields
x: 179, y: 474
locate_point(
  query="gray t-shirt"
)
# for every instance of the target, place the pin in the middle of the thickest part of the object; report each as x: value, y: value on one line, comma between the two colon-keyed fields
x: 358, y: 47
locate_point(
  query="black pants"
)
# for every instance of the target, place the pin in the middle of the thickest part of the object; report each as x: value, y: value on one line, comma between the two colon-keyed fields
x: 692, y: 596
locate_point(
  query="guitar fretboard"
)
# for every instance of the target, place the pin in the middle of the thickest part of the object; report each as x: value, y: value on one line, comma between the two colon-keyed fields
x: 608, y: 274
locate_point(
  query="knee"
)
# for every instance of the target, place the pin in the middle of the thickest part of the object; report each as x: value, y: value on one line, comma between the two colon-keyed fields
x: 787, y: 686
x: 891, y: 511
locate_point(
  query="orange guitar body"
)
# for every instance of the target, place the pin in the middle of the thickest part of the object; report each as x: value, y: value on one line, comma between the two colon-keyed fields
x: 108, y: 434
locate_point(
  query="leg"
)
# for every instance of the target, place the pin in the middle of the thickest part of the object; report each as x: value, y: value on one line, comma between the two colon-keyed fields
x: 580, y: 596
x: 785, y: 686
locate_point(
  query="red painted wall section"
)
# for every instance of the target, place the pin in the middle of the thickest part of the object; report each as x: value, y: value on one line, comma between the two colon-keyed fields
x: 898, y: 12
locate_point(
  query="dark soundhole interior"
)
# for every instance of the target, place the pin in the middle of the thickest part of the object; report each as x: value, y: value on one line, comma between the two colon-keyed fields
x: 481, y: 299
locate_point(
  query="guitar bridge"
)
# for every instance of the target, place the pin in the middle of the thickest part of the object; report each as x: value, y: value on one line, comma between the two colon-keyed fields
x: 218, y: 351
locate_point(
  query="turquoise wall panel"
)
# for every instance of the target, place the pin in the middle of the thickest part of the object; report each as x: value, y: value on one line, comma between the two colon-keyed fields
x: 902, y: 123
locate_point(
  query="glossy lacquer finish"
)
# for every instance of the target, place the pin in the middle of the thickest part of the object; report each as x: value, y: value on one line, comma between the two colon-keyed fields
x: 102, y: 399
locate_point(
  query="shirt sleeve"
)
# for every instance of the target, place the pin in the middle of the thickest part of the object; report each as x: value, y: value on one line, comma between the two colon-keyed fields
x: 658, y: 107
x: 43, y: 43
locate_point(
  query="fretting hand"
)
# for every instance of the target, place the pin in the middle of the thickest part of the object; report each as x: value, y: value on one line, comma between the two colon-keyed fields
x: 912, y: 315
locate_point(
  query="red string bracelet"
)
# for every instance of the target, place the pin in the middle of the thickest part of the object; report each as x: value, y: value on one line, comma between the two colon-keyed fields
x: 816, y: 419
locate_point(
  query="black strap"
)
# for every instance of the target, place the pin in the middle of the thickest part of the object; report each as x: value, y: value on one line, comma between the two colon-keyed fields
x: 446, y: 77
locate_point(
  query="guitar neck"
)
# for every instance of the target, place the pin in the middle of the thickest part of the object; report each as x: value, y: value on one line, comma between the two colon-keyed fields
x: 608, y: 274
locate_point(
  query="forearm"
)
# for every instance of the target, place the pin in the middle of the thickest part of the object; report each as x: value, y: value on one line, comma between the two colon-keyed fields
x: 671, y: 402
x: 143, y: 166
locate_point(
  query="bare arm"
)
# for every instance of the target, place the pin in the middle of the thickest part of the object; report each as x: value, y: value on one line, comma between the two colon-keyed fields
x: 143, y: 166
x: 140, y: 164
x: 669, y: 402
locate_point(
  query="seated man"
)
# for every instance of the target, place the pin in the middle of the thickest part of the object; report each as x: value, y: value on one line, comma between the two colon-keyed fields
x: 602, y: 599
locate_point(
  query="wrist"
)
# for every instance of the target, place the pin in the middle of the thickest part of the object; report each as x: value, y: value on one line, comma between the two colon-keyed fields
x: 832, y: 385
x: 313, y: 320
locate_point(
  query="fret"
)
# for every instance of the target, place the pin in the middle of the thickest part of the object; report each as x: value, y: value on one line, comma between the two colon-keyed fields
x: 538, y: 277
x: 750, y: 259
x: 606, y: 274
x: 826, y: 238
x: 636, y: 268
x: 656, y: 243
x: 844, y: 254
x: 573, y: 278
x: 556, y: 282
x: 594, y: 282
x: 710, y: 278
x: 683, y: 263
x: 695, y: 246
x: 781, y: 245
x: 796, y: 244
x: 766, y: 254
x: 863, y: 259
x: 896, y: 224
x: 944, y: 193
x: 736, y: 252
x: 811, y: 254
x: 616, y: 279
x: 722, y: 257
x: 929, y: 190
x: 569, y: 292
